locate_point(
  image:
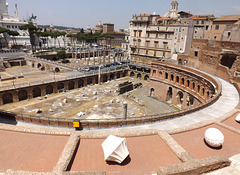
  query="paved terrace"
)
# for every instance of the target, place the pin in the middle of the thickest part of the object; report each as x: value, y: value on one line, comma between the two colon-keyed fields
x: 161, y: 144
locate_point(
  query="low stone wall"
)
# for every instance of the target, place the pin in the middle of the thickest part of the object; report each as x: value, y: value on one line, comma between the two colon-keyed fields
x: 195, y: 166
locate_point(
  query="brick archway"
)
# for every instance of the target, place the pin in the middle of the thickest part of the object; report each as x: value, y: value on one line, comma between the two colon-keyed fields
x: 49, y: 89
x: 80, y: 83
x: 70, y: 85
x: 7, y: 98
x: 36, y: 92
x: 22, y: 95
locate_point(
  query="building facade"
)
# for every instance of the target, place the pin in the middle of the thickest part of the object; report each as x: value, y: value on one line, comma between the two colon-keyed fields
x: 221, y: 28
x: 119, y: 36
x: 13, y: 23
x: 161, y: 38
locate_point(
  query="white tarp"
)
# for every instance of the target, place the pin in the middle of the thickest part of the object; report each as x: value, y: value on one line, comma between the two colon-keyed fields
x: 115, y: 149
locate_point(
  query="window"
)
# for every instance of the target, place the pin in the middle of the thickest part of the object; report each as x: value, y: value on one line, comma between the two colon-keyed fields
x: 229, y: 34
x: 147, y: 43
x: 180, y: 29
x: 197, y: 22
x: 215, y: 38
x: 140, y: 33
x: 196, y: 53
x: 146, y: 52
x: 217, y: 27
x: 207, y: 27
x: 154, y: 73
x: 202, y: 22
x: 135, y: 33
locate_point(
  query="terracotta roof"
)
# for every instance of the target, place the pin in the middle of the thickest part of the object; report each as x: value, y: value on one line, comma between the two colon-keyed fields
x: 201, y: 16
x: 228, y: 18
x: 142, y: 15
x: 184, y: 12
x: 163, y: 19
x: 237, y: 23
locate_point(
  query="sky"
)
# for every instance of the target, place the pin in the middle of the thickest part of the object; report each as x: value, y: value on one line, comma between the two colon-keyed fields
x: 81, y: 13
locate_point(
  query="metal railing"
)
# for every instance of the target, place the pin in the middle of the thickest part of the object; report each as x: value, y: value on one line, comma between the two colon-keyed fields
x: 72, y: 77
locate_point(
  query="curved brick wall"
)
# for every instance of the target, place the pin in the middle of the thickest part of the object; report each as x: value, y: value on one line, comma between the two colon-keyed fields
x: 205, y: 79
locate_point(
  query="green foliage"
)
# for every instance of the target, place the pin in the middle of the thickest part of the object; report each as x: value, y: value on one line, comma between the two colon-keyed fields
x: 9, y: 32
x: 13, y: 33
x: 61, y: 54
x: 3, y: 30
x: 90, y: 37
x: 30, y: 27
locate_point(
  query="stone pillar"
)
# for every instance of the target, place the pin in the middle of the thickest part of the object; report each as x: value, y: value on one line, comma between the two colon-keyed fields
x: 174, y: 96
x: 80, y: 54
x: 99, y: 59
x: 15, y: 96
x: 109, y: 58
x: 99, y: 75
x: 104, y: 55
x: 89, y: 57
x: 125, y: 110
x: 84, y: 55
x: 43, y: 90
x: 75, y: 84
x: 66, y: 85
x: 85, y: 82
x: 55, y: 89
x: 185, y: 100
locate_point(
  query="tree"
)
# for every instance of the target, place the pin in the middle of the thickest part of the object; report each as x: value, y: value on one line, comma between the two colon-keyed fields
x: 32, y: 30
x: 82, y: 31
x: 13, y: 34
x: 61, y: 54
x: 4, y: 32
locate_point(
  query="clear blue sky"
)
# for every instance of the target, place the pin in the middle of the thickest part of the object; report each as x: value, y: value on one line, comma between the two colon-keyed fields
x: 81, y: 13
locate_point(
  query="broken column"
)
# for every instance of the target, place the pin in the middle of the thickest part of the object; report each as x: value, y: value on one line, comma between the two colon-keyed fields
x: 125, y: 110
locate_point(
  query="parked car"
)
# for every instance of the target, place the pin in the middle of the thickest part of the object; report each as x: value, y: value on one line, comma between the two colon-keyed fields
x: 86, y: 69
